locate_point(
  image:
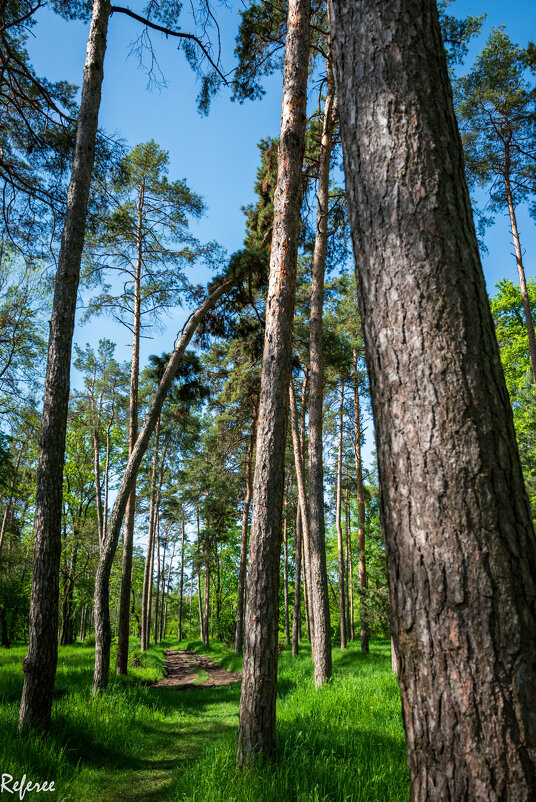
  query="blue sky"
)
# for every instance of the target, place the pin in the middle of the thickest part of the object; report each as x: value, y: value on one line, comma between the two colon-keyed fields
x: 218, y: 154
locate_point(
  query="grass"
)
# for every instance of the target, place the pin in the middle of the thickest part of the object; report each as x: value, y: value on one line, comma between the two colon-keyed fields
x: 341, y: 742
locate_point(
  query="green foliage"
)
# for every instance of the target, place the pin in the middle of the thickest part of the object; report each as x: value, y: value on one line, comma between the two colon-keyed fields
x: 508, y: 314
x: 457, y: 33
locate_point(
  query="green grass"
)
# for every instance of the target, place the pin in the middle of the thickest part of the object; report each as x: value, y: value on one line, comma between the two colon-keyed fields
x: 341, y: 742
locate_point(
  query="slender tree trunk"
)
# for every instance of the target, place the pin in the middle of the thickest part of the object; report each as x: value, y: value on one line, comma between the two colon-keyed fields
x: 302, y: 504
x: 157, y: 595
x: 147, y: 571
x: 206, y: 615
x: 128, y: 538
x: 520, y: 269
x: 306, y: 603
x: 349, y: 570
x: 362, y: 555
x: 102, y: 579
x: 316, y: 561
x: 198, y: 571
x: 338, y: 525
x: 41, y: 660
x: 67, y: 625
x: 256, y: 734
x: 285, y: 574
x: 181, y: 582
x: 7, y: 510
x: 460, y: 546
x: 296, y: 615
x: 241, y: 599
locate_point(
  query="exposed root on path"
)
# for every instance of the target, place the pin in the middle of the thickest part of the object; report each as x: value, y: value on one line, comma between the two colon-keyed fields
x: 182, y: 667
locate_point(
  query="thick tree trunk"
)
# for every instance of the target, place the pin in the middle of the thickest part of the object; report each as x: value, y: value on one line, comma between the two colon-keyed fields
x: 41, y: 660
x: 128, y: 538
x: 296, y: 614
x: 338, y: 526
x: 256, y: 734
x: 241, y: 599
x: 460, y: 547
x: 181, y: 582
x: 362, y: 555
x: 316, y: 561
x: 102, y: 597
x: 521, y: 271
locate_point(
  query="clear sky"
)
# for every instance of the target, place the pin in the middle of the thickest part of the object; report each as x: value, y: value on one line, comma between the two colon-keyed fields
x: 218, y: 154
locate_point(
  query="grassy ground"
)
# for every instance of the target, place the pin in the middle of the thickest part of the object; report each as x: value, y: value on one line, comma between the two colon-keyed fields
x: 342, y: 742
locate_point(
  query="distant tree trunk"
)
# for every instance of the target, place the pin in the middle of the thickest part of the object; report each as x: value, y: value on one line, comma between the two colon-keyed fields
x: 306, y: 602
x: 198, y: 571
x: 206, y: 613
x: 102, y: 579
x: 316, y: 561
x: 67, y: 624
x: 128, y: 538
x: 349, y: 572
x: 338, y: 526
x: 12, y: 486
x: 296, y: 616
x: 218, y: 592
x: 40, y: 663
x: 181, y: 582
x: 5, y: 642
x: 147, y: 570
x: 519, y: 263
x: 157, y: 594
x: 361, y: 545
x: 165, y: 591
x: 460, y: 547
x: 285, y: 574
x: 241, y: 598
x: 83, y: 623
x: 256, y: 733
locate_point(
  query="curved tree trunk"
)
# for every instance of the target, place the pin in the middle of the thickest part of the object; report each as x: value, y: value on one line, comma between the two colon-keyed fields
x: 102, y: 596
x: 41, y: 660
x: 256, y: 734
x: 460, y: 546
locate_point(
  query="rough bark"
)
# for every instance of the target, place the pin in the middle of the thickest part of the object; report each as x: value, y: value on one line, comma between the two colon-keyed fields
x: 102, y: 579
x: 256, y: 735
x: 41, y: 660
x: 316, y: 561
x: 338, y: 526
x: 241, y: 599
x: 460, y: 547
x: 360, y: 493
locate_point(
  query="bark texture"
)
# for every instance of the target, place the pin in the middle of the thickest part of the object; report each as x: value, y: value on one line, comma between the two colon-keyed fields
x: 256, y: 735
x: 41, y: 660
x: 460, y: 546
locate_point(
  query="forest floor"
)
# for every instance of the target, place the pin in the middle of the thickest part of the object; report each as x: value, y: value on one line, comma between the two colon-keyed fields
x: 146, y: 740
x: 189, y: 671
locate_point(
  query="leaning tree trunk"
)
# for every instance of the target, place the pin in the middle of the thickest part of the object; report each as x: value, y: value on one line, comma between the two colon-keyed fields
x: 338, y: 527
x: 520, y: 268
x: 460, y: 546
x: 316, y: 562
x: 256, y: 733
x: 241, y: 599
x: 128, y: 537
x: 103, y: 634
x: 41, y: 660
x: 362, y: 556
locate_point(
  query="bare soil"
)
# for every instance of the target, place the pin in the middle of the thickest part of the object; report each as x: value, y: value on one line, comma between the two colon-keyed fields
x: 182, y: 667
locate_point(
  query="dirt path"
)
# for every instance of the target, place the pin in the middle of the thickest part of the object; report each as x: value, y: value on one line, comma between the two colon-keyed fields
x: 182, y: 669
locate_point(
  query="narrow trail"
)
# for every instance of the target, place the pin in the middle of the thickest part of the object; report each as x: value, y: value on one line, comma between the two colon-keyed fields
x: 183, y: 668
